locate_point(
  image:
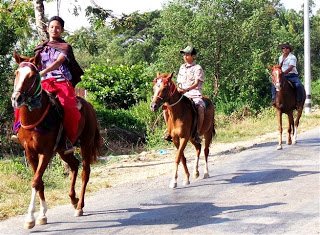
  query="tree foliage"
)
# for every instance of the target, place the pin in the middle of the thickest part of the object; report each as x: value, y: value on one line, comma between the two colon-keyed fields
x: 116, y: 86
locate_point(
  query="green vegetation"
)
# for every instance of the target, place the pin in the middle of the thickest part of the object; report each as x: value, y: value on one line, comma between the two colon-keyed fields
x: 236, y: 39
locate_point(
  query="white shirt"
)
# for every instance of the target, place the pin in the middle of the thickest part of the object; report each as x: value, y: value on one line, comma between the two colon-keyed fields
x: 188, y: 74
x: 290, y: 60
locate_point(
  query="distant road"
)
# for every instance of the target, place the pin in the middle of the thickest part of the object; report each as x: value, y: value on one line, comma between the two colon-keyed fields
x: 257, y: 191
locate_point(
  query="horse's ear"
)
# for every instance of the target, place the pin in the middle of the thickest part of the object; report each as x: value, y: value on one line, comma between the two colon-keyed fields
x: 158, y: 74
x: 36, y: 59
x: 170, y: 75
x: 20, y: 58
x: 17, y: 57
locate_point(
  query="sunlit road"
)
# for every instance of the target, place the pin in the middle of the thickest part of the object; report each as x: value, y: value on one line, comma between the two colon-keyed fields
x: 260, y: 190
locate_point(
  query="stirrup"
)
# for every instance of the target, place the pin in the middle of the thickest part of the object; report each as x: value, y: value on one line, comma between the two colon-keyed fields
x: 68, y: 147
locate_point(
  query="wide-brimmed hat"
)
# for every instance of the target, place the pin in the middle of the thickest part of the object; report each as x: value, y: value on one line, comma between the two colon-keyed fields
x: 286, y: 45
x: 189, y: 50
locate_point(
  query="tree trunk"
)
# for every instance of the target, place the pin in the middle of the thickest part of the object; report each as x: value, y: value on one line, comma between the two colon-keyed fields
x: 217, y: 74
x: 40, y: 20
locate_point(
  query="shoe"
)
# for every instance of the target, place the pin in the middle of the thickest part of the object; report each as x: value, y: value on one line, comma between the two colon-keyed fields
x: 167, y: 137
x: 197, y: 138
x: 69, y: 147
x: 15, y: 138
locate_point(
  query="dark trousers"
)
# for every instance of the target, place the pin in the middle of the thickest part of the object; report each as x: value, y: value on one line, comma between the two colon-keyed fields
x: 294, y: 79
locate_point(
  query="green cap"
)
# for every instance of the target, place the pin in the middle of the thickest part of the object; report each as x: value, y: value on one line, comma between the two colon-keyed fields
x: 189, y: 50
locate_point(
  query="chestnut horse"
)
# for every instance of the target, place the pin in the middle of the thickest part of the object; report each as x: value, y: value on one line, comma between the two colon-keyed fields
x: 286, y: 103
x: 180, y: 124
x: 41, y: 133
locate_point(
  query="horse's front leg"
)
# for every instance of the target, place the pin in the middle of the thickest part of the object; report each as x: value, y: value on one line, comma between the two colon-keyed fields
x: 279, y: 117
x: 30, y: 220
x: 290, y: 127
x: 38, y: 164
x: 180, y: 145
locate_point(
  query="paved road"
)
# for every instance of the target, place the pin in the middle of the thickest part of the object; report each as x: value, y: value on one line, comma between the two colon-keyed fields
x: 257, y: 191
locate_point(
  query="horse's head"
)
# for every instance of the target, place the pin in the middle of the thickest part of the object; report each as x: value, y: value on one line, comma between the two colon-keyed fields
x: 163, y: 89
x: 27, y: 83
x: 276, y: 74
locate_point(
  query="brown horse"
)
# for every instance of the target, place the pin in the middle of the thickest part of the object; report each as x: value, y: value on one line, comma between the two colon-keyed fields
x: 286, y: 103
x: 180, y: 124
x: 40, y: 135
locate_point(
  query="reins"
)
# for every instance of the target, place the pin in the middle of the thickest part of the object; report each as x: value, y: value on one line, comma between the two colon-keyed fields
x: 31, y: 126
x: 172, y: 93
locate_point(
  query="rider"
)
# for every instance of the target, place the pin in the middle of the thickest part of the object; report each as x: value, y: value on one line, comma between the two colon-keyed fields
x: 59, y: 73
x: 190, y: 80
x: 288, y: 64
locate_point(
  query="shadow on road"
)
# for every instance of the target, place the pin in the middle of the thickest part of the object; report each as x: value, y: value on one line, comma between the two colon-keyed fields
x: 266, y: 176
x: 179, y: 215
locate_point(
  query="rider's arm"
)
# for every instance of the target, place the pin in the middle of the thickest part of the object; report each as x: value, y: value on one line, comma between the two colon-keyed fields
x: 288, y: 69
x: 55, y: 65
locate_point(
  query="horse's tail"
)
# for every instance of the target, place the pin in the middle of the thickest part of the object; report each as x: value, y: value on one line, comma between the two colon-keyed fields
x: 97, y: 144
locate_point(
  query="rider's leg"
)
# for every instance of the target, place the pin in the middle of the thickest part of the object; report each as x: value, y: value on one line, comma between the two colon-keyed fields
x: 294, y: 79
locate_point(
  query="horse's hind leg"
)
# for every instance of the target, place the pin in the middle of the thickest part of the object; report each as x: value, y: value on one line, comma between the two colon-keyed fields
x: 196, y: 159
x: 296, y: 124
x: 85, y: 175
x: 74, y: 166
x: 208, y: 139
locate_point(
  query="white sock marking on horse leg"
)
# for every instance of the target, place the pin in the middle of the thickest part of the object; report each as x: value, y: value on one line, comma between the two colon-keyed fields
x: 43, y: 208
x: 195, y: 167
x: 295, y: 135
x: 31, y: 209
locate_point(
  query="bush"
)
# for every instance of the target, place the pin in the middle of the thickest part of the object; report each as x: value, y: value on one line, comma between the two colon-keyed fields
x: 116, y: 87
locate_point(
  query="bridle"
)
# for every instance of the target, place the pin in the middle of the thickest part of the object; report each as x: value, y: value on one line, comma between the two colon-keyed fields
x: 276, y: 78
x: 172, y: 90
x: 32, y: 100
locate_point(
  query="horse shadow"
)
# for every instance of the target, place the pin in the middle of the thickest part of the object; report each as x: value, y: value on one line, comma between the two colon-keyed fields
x: 181, y: 216
x: 265, y: 177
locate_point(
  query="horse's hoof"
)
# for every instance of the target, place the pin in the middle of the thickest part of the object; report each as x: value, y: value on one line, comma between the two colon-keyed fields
x: 289, y: 143
x: 29, y: 225
x: 78, y: 213
x: 279, y: 147
x: 173, y: 185
x: 186, y: 182
x: 206, y: 176
x: 196, y: 174
x: 41, y: 221
x: 294, y: 142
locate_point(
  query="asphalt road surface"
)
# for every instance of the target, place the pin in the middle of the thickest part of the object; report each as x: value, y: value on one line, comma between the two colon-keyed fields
x: 260, y: 190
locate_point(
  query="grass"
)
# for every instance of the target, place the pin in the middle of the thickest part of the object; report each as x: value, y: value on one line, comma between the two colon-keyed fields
x: 15, y: 176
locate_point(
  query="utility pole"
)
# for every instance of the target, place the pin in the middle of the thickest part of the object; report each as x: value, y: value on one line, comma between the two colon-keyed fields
x: 307, y: 66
